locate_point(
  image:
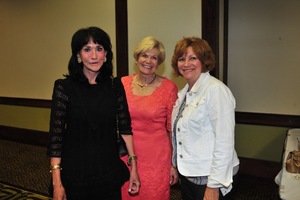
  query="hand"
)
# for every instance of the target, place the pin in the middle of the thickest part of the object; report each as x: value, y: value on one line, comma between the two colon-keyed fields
x: 134, y: 183
x: 173, y: 176
x: 59, y: 193
x: 211, y: 194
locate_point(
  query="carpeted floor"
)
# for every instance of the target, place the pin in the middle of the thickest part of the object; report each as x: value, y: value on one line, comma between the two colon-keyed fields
x: 25, y: 166
x: 24, y: 172
x: 8, y: 192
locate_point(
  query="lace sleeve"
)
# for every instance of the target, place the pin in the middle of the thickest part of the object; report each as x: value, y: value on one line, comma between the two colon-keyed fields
x: 57, y: 118
x: 122, y: 111
x: 172, y: 94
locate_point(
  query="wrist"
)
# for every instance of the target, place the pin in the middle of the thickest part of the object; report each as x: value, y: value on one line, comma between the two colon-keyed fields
x: 55, y: 167
x: 130, y: 159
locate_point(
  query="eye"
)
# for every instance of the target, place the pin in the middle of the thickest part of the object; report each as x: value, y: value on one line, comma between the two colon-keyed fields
x: 193, y: 58
x: 154, y: 57
x: 181, y: 59
x: 86, y: 49
x: 144, y: 55
x: 99, y: 48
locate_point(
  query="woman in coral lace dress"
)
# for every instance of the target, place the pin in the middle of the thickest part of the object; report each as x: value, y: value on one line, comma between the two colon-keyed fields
x: 150, y: 99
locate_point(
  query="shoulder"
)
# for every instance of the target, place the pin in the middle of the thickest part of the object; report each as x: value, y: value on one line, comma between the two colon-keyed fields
x: 126, y: 79
x: 61, y: 81
x: 118, y: 85
x: 117, y: 79
x: 65, y: 85
x: 216, y: 83
x: 168, y: 83
x: 218, y: 88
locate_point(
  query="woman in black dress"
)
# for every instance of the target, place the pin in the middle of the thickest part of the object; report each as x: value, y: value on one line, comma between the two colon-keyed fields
x: 85, y: 163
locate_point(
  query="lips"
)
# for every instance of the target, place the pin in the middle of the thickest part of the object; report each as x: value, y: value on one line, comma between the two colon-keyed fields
x: 187, y: 70
x: 147, y: 66
x: 94, y: 63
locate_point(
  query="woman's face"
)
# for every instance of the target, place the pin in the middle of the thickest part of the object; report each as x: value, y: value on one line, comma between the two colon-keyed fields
x: 147, y: 62
x: 189, y: 66
x: 92, y: 56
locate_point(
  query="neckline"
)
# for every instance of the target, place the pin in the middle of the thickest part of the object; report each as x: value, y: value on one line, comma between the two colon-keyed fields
x: 142, y: 85
x: 131, y: 82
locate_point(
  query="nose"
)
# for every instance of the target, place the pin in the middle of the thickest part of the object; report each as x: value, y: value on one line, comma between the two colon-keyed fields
x: 186, y: 63
x: 148, y: 60
x: 94, y: 54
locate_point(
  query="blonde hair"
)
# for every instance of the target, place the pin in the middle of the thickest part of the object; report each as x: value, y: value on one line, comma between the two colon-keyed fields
x: 147, y: 44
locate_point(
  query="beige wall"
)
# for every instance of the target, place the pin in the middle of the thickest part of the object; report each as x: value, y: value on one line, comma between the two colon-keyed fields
x: 168, y: 21
x: 35, y: 38
x: 263, y: 61
x: 25, y: 117
x: 260, y: 142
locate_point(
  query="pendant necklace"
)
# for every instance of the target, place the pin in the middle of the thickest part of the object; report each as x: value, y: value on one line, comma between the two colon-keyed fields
x: 146, y: 84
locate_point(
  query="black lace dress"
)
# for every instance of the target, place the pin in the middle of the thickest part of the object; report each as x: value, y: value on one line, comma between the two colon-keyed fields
x: 83, y: 118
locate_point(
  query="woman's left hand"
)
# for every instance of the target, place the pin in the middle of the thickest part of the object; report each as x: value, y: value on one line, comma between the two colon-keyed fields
x: 134, y: 183
x: 173, y: 176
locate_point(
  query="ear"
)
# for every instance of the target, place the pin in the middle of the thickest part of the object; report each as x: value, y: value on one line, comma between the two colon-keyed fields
x: 79, y: 58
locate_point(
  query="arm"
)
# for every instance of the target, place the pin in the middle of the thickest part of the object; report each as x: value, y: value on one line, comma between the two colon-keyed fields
x: 221, y: 114
x: 134, y: 181
x: 58, y: 189
x: 126, y: 133
x: 173, y: 175
x: 56, y: 135
x: 172, y: 98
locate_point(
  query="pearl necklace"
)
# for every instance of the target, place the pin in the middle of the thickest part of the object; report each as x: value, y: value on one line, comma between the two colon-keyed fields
x: 146, y: 84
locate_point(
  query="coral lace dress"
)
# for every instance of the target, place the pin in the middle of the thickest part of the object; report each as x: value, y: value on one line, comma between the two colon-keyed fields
x: 151, y: 122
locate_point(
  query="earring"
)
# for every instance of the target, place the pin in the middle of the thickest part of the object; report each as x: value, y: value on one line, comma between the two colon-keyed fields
x: 104, y: 59
x: 79, y: 59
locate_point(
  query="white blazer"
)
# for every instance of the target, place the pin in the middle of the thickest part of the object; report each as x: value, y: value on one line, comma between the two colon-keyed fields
x: 203, y: 142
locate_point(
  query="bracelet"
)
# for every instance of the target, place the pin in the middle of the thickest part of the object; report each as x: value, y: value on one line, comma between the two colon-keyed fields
x: 130, y: 158
x: 53, y: 167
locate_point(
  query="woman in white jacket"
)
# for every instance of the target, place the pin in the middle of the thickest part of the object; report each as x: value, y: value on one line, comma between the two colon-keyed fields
x: 203, y: 125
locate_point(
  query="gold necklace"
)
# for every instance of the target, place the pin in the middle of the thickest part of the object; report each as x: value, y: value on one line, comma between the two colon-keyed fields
x: 146, y: 84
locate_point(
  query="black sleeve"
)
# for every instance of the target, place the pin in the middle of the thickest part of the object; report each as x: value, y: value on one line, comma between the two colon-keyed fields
x: 58, y: 116
x: 122, y: 111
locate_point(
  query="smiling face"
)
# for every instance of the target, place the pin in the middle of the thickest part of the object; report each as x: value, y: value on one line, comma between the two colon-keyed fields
x: 92, y: 56
x: 147, y: 62
x: 189, y: 66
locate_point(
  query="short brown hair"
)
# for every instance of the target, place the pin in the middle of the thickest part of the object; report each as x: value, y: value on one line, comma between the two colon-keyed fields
x: 202, y: 50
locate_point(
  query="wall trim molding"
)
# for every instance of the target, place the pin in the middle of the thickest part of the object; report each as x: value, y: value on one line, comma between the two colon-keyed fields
x: 27, y: 136
x: 265, y: 119
x: 27, y: 102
